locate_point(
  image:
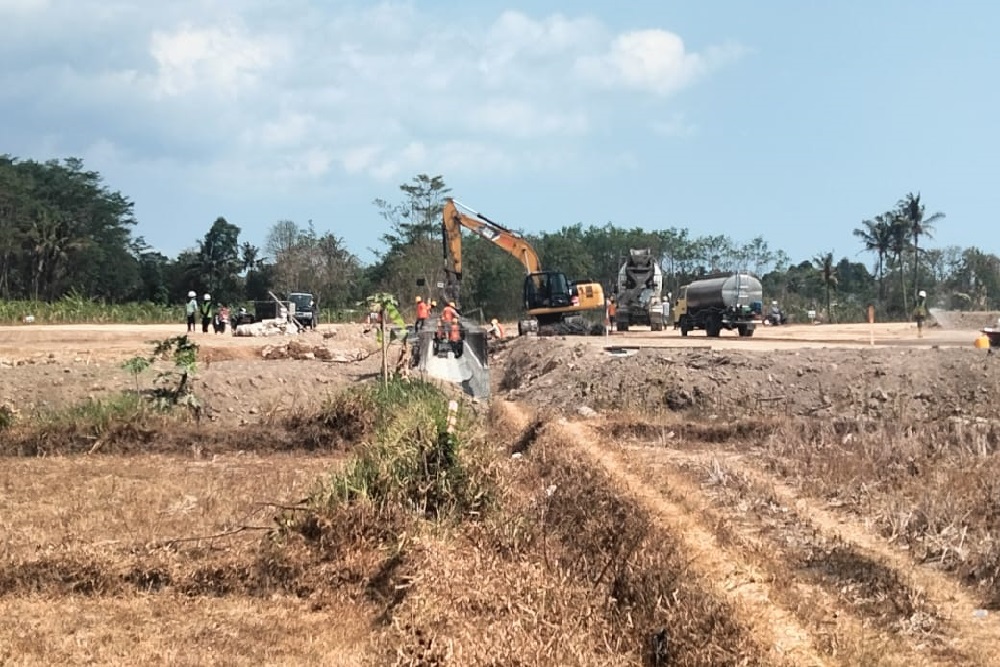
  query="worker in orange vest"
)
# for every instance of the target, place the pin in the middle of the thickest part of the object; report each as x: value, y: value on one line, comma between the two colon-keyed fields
x: 450, y: 320
x: 612, y: 311
x: 423, y: 312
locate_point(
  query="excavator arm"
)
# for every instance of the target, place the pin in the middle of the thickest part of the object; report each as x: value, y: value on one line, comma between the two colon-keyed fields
x: 456, y: 216
x: 548, y: 296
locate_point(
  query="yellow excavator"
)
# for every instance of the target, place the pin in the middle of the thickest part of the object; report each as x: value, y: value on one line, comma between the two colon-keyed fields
x: 553, y: 305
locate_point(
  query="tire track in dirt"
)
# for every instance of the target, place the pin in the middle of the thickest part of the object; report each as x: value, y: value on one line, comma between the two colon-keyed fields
x: 733, y: 559
x: 733, y: 577
x: 972, y: 637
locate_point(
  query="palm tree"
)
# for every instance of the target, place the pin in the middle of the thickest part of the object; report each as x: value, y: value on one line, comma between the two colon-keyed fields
x: 912, y: 213
x: 828, y: 274
x: 899, y: 241
x: 877, y: 238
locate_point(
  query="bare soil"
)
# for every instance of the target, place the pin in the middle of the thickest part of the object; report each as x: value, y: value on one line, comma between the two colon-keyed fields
x: 49, y: 367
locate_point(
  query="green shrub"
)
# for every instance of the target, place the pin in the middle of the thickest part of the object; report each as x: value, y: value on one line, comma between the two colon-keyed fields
x: 412, y: 461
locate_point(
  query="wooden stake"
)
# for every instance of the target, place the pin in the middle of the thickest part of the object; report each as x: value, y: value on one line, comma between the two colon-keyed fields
x: 871, y: 323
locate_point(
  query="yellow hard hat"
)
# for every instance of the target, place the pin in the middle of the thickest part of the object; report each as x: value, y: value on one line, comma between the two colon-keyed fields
x: 451, y: 303
x: 419, y: 299
x: 433, y: 302
x: 494, y: 321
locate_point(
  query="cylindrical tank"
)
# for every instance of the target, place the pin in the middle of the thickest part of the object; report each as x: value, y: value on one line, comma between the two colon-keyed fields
x: 738, y: 290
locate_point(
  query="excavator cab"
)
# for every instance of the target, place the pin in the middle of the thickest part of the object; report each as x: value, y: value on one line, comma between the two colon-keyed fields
x: 546, y: 289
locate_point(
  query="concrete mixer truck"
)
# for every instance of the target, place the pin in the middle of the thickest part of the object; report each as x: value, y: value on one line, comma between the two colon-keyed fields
x: 639, y: 292
x: 728, y: 301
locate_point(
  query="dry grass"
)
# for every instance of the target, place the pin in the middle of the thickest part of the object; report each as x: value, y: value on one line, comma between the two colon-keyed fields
x: 178, y: 630
x: 422, y: 550
x: 61, y: 504
x: 934, y: 489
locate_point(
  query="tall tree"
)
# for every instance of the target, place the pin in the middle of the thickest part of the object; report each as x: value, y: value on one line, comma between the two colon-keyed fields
x: 899, y: 241
x: 911, y: 211
x: 413, y: 243
x: 418, y: 217
x: 828, y: 275
x: 876, y: 235
x: 219, y: 261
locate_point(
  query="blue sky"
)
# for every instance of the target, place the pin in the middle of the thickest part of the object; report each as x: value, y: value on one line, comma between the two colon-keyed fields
x: 792, y: 119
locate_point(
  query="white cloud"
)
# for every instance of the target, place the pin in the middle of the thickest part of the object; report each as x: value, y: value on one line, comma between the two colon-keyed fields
x: 302, y: 91
x: 649, y: 60
x: 220, y: 59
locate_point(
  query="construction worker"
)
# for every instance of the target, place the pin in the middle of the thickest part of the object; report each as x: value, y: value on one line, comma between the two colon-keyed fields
x: 423, y: 312
x: 920, y: 312
x: 495, y: 330
x: 450, y: 322
x: 612, y: 311
x: 206, y: 312
x: 191, y: 309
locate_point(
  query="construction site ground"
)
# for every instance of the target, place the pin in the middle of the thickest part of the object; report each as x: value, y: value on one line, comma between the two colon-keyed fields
x: 829, y: 485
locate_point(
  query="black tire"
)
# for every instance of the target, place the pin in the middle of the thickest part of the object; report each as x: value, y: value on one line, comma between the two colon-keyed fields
x: 742, y: 329
x: 684, y: 326
x: 622, y: 326
x: 713, y: 328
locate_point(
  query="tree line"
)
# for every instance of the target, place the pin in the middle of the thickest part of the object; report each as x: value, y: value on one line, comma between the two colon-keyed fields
x: 64, y: 232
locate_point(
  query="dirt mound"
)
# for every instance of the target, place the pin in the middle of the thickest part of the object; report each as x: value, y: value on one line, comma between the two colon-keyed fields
x: 914, y: 384
x: 964, y: 320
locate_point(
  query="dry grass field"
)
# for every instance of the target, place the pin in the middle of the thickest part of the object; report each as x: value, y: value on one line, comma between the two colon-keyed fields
x: 795, y: 499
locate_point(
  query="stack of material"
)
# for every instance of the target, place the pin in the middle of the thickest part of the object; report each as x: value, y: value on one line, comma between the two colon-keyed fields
x: 266, y: 328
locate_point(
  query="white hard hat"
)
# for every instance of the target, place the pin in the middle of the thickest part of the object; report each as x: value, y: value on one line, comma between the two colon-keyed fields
x: 207, y: 297
x: 922, y: 294
x: 191, y: 294
x: 774, y: 303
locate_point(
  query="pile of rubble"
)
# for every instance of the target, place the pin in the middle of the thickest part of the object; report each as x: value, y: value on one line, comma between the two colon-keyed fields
x: 266, y: 328
x: 306, y: 352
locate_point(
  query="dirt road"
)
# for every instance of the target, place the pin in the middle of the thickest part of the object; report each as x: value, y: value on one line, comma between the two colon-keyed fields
x: 802, y: 336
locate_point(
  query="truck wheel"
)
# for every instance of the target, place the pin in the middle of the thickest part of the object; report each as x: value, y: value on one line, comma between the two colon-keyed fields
x: 713, y: 328
x: 622, y: 326
x: 656, y: 326
x: 742, y: 329
x: 684, y: 326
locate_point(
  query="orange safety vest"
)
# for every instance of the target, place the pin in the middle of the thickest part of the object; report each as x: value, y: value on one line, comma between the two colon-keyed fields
x: 423, y: 311
x: 449, y: 314
x: 612, y: 309
x: 499, y: 328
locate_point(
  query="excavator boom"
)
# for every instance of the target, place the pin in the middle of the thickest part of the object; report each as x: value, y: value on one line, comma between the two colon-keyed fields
x: 455, y: 219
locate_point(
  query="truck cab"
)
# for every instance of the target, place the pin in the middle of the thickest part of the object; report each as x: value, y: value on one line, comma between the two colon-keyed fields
x: 306, y: 311
x: 680, y: 306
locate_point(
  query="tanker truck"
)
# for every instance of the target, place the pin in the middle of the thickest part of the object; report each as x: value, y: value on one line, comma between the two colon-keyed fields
x: 639, y: 292
x: 728, y: 301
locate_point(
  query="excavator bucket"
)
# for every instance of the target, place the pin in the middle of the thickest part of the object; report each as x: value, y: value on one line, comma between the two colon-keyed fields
x: 462, y: 362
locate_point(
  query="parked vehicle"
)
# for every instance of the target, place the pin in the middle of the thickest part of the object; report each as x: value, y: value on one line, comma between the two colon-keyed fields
x: 728, y: 301
x: 306, y: 309
x: 639, y: 292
